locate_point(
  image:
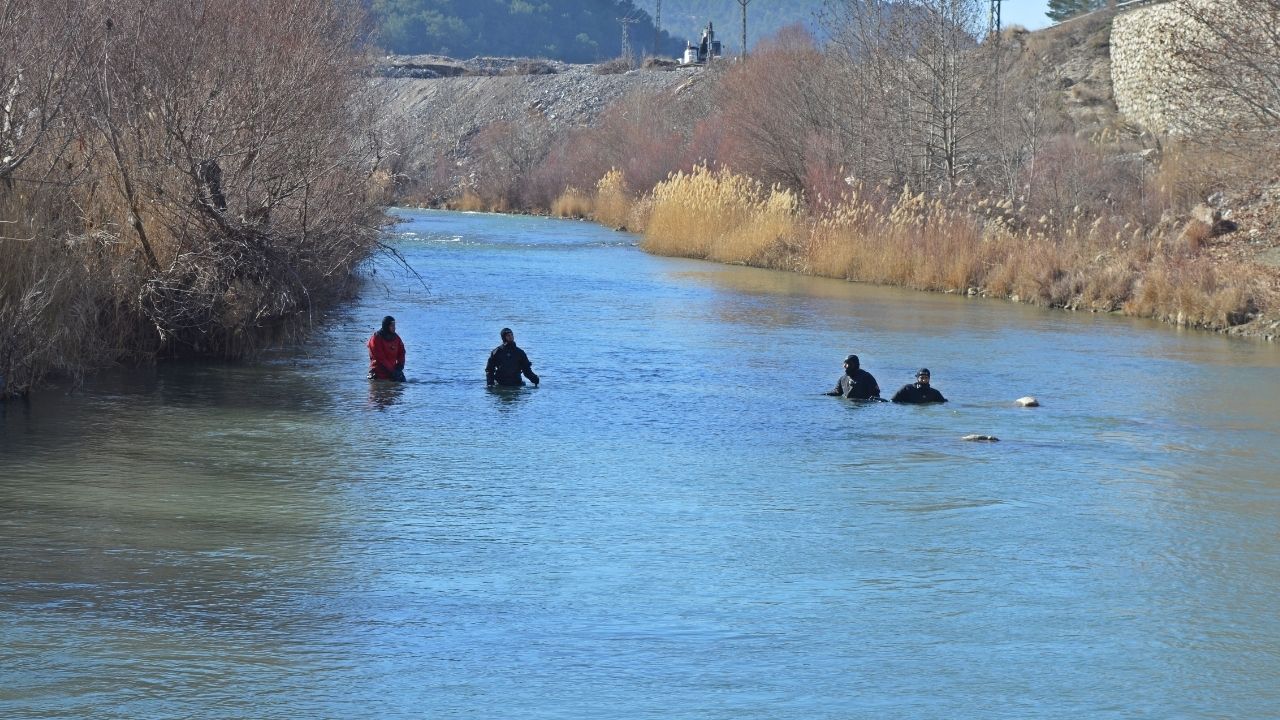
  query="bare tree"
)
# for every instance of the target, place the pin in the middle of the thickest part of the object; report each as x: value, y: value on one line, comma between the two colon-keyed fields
x: 43, y: 52
x: 774, y: 128
x: 229, y: 129
x: 1231, y: 52
x: 918, y: 79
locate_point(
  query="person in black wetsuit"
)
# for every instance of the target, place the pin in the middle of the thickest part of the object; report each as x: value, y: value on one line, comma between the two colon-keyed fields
x: 856, y: 383
x: 919, y: 392
x: 507, y: 363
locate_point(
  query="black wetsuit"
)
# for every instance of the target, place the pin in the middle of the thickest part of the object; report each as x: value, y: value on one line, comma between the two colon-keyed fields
x: 859, y: 386
x: 918, y: 394
x: 506, y: 363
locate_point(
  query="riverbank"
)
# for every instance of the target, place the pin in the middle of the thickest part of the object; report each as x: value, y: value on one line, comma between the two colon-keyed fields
x: 178, y: 191
x: 1183, y: 277
x: 1048, y: 194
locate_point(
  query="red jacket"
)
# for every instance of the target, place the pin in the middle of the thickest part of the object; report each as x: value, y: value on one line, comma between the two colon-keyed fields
x: 385, y: 356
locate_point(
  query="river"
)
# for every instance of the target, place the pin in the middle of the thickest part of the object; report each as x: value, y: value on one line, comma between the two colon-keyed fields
x: 675, y: 524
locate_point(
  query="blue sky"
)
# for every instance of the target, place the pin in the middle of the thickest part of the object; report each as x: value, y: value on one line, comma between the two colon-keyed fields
x: 1027, y: 13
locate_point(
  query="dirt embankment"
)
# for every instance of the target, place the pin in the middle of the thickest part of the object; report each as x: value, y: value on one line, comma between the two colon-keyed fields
x: 440, y: 104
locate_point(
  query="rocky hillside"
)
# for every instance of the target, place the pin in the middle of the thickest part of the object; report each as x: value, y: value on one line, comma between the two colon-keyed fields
x: 440, y: 104
x: 1243, y: 215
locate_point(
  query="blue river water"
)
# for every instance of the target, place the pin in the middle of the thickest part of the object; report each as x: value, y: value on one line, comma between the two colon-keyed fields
x: 675, y: 524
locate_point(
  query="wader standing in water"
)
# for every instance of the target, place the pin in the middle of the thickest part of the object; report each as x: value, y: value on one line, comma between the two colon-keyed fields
x: 919, y: 392
x: 386, y: 352
x: 507, y: 363
x: 856, y: 383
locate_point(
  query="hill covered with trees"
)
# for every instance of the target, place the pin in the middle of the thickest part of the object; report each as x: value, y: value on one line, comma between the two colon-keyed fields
x: 575, y: 30
x: 570, y: 30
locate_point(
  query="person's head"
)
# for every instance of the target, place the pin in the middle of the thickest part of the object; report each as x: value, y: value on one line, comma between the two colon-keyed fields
x: 388, y: 324
x: 507, y: 336
x: 922, y: 376
x: 851, y: 363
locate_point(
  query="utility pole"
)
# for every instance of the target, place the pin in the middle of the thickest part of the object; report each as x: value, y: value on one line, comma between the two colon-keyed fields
x: 744, y: 4
x: 995, y: 51
x: 627, y: 22
x: 657, y: 29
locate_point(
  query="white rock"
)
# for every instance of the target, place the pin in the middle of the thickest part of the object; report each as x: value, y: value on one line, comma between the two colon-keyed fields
x: 981, y: 438
x: 1028, y: 401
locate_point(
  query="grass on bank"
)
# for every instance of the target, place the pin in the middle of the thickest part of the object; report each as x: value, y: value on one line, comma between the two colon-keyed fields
x: 910, y: 240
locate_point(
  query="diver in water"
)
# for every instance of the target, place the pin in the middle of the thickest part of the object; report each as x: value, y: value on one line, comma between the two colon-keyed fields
x: 919, y: 392
x: 386, y: 352
x: 507, y: 363
x: 856, y: 383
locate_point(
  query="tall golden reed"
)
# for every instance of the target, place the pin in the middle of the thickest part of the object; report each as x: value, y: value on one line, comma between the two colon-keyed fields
x: 921, y: 243
x: 722, y: 216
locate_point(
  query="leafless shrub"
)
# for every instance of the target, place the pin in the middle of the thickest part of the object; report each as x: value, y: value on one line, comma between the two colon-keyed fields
x: 506, y: 154
x: 657, y: 63
x: 773, y: 128
x: 616, y: 66
x: 531, y: 67
x: 201, y: 160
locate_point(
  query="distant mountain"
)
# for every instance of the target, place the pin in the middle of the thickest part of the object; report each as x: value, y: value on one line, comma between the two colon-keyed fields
x: 570, y: 30
x: 685, y: 19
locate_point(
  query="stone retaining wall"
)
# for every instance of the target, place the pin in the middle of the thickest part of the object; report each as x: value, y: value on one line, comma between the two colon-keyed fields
x: 1152, y: 87
x: 1146, y: 83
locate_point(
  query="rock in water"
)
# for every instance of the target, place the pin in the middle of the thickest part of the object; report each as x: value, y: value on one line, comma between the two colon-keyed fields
x: 981, y: 438
x: 1028, y: 401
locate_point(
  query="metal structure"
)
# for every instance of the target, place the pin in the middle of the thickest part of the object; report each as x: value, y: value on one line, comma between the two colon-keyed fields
x: 657, y: 29
x: 627, y: 22
x: 744, y: 4
x: 995, y: 27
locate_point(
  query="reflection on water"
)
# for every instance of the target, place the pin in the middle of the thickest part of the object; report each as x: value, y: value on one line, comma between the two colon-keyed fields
x: 676, y: 524
x: 385, y: 393
x: 508, y: 397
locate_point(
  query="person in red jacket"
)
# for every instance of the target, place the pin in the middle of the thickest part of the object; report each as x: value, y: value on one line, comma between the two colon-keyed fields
x: 386, y: 352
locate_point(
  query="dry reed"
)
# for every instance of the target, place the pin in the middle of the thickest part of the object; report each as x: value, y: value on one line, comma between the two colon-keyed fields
x: 572, y: 203
x: 613, y: 200
x: 923, y: 243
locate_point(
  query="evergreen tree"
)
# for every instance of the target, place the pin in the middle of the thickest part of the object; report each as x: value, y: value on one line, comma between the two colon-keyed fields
x: 1060, y: 10
x: 572, y: 30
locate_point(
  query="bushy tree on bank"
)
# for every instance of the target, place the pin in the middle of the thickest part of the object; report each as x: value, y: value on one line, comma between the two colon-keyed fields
x: 179, y: 176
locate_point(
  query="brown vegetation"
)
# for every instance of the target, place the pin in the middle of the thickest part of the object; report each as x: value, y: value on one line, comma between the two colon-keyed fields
x: 179, y: 177
x: 916, y: 150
